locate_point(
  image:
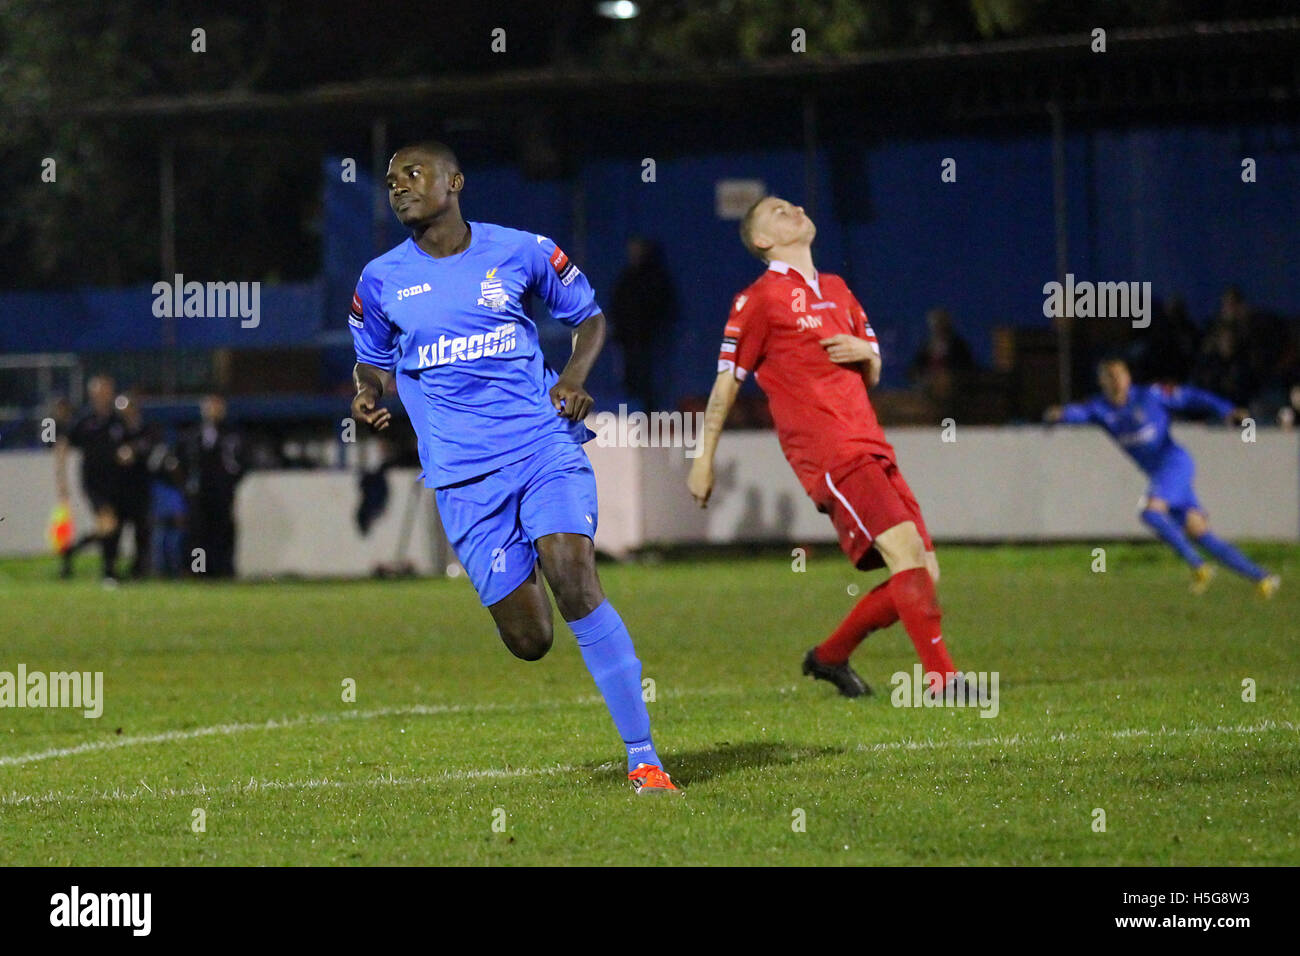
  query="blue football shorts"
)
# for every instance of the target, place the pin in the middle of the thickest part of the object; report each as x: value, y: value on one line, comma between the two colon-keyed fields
x: 493, y: 521
x: 1171, y: 482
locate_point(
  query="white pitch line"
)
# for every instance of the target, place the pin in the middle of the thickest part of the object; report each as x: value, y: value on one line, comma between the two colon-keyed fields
x: 419, y: 710
x: 168, y: 736
x: 119, y: 795
x: 1264, y: 726
x: 255, y: 786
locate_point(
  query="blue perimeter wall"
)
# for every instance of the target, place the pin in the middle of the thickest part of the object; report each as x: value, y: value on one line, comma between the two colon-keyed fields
x: 1165, y: 205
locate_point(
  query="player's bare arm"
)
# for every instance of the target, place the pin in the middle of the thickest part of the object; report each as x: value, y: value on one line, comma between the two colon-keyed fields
x: 568, y: 395
x: 723, y: 395
x: 371, y: 384
x: 846, y: 349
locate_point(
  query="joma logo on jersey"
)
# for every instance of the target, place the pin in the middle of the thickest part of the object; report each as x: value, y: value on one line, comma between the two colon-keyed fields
x: 413, y: 290
x: 807, y: 322
x: 467, y: 348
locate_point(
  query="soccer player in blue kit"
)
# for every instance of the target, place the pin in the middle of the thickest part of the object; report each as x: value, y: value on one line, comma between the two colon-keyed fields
x: 442, y: 317
x: 1137, y: 417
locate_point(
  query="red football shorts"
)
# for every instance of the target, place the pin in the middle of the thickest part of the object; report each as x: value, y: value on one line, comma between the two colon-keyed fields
x: 864, y: 500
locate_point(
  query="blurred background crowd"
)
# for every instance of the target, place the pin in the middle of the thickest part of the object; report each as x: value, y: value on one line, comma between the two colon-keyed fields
x: 221, y: 142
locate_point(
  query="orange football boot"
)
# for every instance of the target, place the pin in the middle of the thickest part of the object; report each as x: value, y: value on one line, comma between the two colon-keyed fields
x: 648, y: 779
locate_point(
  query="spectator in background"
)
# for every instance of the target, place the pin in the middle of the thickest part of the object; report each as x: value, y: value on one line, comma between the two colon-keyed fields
x: 169, y: 512
x: 1289, y: 413
x: 1268, y: 347
x: 943, y: 360
x: 1258, y: 333
x: 98, y: 432
x: 1237, y: 351
x: 1222, y: 367
x: 214, y: 463
x: 133, y: 482
x: 643, y: 310
x: 1234, y: 313
x: 1284, y: 386
x: 1167, y: 352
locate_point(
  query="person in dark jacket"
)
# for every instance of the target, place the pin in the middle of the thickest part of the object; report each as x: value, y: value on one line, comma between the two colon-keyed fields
x: 643, y: 311
x: 168, y: 512
x: 98, y: 432
x: 134, y: 482
x: 943, y: 359
x: 214, y: 459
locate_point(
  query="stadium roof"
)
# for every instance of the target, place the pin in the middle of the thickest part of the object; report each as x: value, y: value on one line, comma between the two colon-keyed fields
x: 1144, y: 70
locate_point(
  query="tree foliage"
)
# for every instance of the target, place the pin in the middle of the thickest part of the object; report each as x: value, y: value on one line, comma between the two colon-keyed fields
x: 247, y: 206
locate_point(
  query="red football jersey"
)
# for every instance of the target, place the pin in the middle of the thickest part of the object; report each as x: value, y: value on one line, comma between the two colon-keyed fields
x: 823, y: 417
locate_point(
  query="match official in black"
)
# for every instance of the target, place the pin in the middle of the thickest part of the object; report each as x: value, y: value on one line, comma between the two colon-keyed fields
x: 99, y: 431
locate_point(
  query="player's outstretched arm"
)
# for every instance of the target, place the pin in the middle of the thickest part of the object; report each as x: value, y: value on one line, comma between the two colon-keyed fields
x: 568, y: 395
x: 1076, y: 413
x: 1198, y: 401
x: 371, y: 384
x: 723, y: 395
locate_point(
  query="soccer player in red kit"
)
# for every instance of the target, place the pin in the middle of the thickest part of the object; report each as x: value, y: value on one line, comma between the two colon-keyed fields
x: 810, y: 346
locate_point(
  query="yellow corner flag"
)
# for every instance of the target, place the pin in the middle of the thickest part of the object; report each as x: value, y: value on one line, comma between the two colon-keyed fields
x: 60, y: 531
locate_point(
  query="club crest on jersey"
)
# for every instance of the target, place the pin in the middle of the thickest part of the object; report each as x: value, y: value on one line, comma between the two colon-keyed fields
x: 492, y: 293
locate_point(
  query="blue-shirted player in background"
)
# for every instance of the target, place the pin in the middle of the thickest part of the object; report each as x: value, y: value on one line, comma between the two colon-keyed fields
x: 1137, y: 417
x: 443, y: 318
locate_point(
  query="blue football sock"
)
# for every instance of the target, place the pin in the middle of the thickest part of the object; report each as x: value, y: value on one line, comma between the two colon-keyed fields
x: 1230, y: 557
x: 1172, y: 535
x: 607, y: 650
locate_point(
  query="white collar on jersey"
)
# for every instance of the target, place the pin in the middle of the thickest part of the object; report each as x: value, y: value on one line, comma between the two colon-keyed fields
x: 776, y: 265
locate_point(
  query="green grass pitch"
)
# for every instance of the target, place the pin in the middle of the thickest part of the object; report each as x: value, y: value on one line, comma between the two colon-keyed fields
x: 1119, y: 692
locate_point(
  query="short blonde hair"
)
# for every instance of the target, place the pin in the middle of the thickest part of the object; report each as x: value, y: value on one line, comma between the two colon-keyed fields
x: 747, y: 231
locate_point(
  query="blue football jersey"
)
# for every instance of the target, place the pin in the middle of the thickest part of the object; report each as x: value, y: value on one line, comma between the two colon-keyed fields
x: 1141, y: 425
x: 458, y: 337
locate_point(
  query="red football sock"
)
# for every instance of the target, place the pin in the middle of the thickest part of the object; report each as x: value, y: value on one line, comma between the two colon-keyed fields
x: 918, y: 606
x: 874, y: 612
